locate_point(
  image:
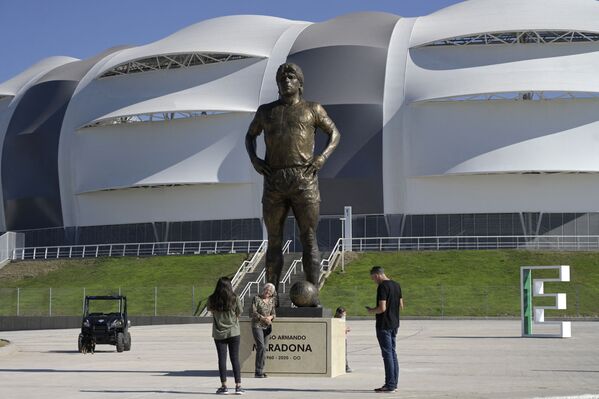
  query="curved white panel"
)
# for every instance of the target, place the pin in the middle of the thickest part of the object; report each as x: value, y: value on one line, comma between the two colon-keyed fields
x: 13, y: 85
x: 502, y: 137
x: 189, y: 151
x: 502, y: 194
x: 142, y: 205
x: 393, y: 101
x: 251, y: 35
x: 235, y: 92
x: 374, y: 31
x: 435, y: 73
x: 572, y: 150
x: 479, y: 16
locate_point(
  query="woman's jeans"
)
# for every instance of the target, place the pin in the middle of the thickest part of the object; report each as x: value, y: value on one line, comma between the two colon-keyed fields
x: 221, y: 348
x: 261, y: 340
x: 386, y: 340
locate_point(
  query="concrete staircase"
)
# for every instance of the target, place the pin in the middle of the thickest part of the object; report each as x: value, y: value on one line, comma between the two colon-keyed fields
x: 283, y: 291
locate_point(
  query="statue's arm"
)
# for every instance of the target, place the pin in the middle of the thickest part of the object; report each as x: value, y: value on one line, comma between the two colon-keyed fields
x: 253, y: 132
x: 324, y: 122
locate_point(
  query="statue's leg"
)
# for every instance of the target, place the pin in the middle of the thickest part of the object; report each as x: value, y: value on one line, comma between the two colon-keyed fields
x: 275, y: 215
x: 306, y: 214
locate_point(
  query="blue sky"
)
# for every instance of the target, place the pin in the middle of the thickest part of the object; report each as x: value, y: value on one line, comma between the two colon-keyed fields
x: 35, y: 29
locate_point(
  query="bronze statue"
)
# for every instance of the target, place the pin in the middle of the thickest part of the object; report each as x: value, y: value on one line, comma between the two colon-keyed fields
x: 290, y: 168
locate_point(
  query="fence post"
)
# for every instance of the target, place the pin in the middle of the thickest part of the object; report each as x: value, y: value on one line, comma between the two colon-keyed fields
x: 83, y: 302
x: 97, y: 248
x: 83, y: 253
x: 110, y: 251
x: 442, y: 302
x: 46, y: 253
x: 168, y: 248
x: 577, y: 300
x: 138, y: 248
x: 155, y: 301
x: 193, y: 298
x: 50, y: 303
x: 18, y: 301
x: 70, y: 251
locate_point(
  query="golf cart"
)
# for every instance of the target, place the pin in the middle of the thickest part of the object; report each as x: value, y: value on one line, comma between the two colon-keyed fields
x: 105, y: 322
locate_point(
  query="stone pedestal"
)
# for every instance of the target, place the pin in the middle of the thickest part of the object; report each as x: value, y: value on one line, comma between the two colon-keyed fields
x: 304, y: 312
x: 303, y: 347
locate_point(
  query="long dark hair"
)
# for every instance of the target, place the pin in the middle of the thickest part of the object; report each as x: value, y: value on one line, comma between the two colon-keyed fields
x: 223, y: 298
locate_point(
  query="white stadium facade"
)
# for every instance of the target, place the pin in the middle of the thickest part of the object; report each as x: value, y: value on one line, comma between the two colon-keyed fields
x: 479, y: 119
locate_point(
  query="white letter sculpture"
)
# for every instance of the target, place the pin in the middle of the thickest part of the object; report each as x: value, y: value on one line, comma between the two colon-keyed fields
x: 536, y: 287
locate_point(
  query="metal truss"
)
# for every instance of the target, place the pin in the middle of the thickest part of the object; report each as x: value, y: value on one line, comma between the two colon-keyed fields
x: 152, y: 117
x: 523, y: 96
x: 538, y: 37
x: 170, y: 61
x: 147, y: 186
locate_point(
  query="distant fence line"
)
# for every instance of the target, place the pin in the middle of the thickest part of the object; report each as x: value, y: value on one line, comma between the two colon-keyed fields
x: 570, y: 243
x: 442, y: 300
x: 68, y: 301
x: 137, y: 249
x: 360, y: 244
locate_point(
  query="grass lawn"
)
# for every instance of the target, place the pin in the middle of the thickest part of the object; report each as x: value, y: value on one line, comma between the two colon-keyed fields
x: 179, y: 281
x: 465, y: 283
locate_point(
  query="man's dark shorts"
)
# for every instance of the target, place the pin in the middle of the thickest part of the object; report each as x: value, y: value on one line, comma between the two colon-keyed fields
x: 288, y: 186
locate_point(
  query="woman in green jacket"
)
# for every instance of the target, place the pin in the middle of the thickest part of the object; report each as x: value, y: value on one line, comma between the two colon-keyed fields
x: 226, y: 308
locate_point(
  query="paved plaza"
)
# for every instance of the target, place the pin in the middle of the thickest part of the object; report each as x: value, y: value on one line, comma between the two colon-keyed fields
x: 438, y: 359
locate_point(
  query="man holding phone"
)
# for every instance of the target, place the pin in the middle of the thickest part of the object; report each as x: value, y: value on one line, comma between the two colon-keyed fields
x: 389, y: 301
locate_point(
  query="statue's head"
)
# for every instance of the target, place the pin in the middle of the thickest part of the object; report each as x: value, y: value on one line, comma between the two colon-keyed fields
x: 290, y: 80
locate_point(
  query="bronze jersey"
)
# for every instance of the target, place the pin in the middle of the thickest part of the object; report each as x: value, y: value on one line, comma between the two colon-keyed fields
x: 289, y: 131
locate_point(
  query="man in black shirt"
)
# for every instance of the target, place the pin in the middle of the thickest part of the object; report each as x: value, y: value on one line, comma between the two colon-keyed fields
x: 389, y: 302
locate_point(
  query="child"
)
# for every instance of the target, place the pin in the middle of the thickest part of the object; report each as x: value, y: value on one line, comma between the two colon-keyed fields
x: 340, y: 313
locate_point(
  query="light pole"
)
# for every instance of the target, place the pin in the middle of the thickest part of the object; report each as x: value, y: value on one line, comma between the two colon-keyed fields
x: 342, y: 244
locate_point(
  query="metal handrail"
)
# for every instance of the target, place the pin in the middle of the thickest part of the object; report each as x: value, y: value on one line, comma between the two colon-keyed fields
x: 292, y: 269
x: 249, y: 265
x: 137, y: 249
x: 247, y: 290
x: 337, y: 249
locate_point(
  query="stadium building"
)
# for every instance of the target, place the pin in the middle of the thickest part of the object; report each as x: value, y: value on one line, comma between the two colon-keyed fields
x: 478, y: 119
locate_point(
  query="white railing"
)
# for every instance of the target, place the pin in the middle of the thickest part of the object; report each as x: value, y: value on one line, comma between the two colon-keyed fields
x: 137, y: 249
x: 247, y: 291
x: 297, y: 263
x: 249, y: 265
x: 572, y: 243
x: 326, y: 264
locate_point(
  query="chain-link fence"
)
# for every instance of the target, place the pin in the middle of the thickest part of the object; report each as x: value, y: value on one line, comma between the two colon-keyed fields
x: 141, y: 301
x: 434, y: 301
x: 466, y: 301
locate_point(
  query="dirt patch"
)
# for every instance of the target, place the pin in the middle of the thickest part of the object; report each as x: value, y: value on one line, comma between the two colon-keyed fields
x: 3, y: 343
x: 15, y: 271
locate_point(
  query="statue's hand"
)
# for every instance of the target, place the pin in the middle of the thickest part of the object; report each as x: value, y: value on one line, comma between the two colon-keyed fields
x: 261, y: 167
x: 315, y: 165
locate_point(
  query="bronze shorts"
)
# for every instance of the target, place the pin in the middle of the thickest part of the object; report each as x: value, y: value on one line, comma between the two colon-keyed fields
x: 290, y: 185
